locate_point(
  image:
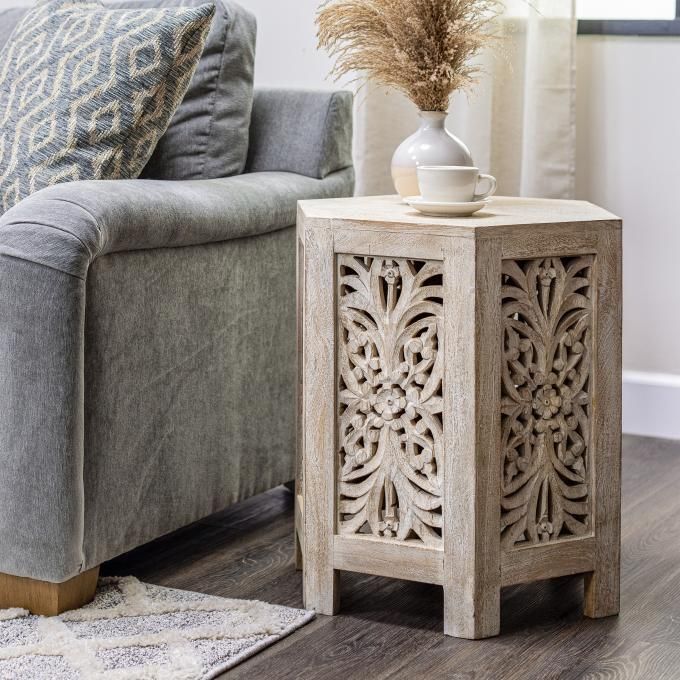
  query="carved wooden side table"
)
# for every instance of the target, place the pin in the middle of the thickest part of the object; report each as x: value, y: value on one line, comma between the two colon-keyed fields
x: 460, y: 400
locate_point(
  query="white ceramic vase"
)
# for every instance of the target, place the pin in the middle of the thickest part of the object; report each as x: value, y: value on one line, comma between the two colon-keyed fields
x: 431, y: 144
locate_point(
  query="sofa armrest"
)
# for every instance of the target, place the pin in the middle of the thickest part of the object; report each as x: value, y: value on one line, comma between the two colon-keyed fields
x: 67, y: 226
x: 306, y: 132
x: 47, y: 244
x: 41, y: 421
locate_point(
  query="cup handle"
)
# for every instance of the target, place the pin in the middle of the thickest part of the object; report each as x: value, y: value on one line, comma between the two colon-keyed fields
x: 492, y: 187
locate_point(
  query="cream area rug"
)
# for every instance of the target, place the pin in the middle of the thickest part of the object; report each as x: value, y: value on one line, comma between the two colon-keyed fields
x: 136, y: 631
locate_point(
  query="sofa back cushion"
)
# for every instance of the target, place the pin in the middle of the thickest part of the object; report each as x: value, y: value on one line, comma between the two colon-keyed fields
x: 208, y: 135
x: 86, y: 91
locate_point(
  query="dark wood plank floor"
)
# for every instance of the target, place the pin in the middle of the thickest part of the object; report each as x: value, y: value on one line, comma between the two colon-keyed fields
x: 393, y: 629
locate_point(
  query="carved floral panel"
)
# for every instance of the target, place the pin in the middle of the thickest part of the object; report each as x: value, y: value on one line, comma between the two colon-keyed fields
x: 390, y: 314
x: 547, y: 309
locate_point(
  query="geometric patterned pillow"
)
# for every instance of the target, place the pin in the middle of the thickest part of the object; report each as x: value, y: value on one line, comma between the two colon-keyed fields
x: 86, y: 92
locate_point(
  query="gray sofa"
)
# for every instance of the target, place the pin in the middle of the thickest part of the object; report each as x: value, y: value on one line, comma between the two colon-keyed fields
x: 147, y: 343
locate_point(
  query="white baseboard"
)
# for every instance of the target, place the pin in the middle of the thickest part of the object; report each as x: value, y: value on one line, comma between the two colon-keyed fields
x: 651, y: 404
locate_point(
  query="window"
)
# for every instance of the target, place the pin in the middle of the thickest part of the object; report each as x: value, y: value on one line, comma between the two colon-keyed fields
x: 625, y: 9
x: 629, y: 17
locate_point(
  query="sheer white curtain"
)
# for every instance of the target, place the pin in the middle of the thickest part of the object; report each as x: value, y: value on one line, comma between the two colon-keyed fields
x: 519, y: 122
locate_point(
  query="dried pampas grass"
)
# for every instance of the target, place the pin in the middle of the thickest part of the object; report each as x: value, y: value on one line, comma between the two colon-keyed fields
x: 422, y: 47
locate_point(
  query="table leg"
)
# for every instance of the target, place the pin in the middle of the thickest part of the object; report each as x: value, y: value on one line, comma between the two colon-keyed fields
x: 318, y: 478
x: 471, y: 499
x: 602, y: 586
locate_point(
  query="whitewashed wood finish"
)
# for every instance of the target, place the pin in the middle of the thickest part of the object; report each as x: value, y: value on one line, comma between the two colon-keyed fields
x: 320, y: 589
x: 390, y: 369
x: 389, y: 213
x: 547, y: 310
x: 471, y: 492
x: 602, y: 586
x: 299, y: 411
x: 534, y: 242
x: 468, y: 561
x: 299, y: 528
x: 392, y: 244
x: 411, y: 561
x: 548, y: 560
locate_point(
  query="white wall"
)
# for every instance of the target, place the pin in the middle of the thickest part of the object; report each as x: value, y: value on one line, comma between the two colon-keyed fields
x: 628, y: 159
x: 286, y: 44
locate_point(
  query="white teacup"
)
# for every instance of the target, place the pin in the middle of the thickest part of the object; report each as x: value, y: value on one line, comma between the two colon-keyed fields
x: 453, y: 184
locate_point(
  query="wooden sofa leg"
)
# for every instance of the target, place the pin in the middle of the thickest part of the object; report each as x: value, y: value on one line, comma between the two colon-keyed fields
x: 45, y: 598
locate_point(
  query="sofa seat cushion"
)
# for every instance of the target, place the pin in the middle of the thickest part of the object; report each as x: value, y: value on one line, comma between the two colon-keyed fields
x: 86, y: 91
x: 208, y: 136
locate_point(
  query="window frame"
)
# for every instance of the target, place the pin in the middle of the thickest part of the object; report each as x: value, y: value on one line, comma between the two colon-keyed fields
x: 643, y: 27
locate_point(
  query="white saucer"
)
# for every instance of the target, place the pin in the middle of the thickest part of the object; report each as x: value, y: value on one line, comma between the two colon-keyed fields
x: 445, y: 209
